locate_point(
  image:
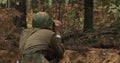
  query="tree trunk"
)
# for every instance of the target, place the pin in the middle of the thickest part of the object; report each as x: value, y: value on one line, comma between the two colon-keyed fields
x: 8, y: 3
x: 88, y: 16
x: 28, y: 5
x: 22, y: 8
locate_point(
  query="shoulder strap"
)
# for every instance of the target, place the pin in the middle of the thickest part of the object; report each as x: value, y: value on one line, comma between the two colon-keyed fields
x: 25, y: 35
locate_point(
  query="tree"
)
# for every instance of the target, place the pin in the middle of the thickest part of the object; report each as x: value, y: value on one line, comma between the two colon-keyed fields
x: 88, y: 15
x: 22, y: 8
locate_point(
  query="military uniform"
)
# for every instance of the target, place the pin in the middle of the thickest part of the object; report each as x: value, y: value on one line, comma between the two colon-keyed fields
x: 36, y: 44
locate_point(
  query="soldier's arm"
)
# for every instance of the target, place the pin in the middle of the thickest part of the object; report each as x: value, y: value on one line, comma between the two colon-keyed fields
x: 57, y: 46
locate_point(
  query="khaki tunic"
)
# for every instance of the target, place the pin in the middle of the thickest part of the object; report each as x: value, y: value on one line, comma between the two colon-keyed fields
x: 33, y: 40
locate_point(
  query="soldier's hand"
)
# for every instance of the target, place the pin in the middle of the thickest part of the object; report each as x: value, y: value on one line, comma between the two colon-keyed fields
x: 57, y: 26
x: 57, y: 23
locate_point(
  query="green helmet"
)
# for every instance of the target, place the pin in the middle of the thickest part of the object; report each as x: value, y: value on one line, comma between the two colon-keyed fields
x: 42, y: 20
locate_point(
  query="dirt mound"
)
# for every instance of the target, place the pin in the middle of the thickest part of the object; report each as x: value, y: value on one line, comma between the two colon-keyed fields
x: 104, y: 37
x: 92, y: 56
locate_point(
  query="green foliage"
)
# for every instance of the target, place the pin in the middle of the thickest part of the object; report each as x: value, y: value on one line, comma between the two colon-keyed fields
x: 16, y: 1
x: 50, y: 3
x: 105, y: 2
x: 114, y: 10
x: 8, y: 2
x: 0, y: 1
x: 67, y: 2
x: 3, y: 1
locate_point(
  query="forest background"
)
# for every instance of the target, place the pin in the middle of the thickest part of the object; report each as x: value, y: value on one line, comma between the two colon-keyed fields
x: 87, y: 24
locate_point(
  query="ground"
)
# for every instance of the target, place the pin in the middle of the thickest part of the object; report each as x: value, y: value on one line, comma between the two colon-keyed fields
x: 100, y: 46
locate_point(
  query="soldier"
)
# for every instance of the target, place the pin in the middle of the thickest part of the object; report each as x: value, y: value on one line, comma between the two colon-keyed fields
x: 40, y: 44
